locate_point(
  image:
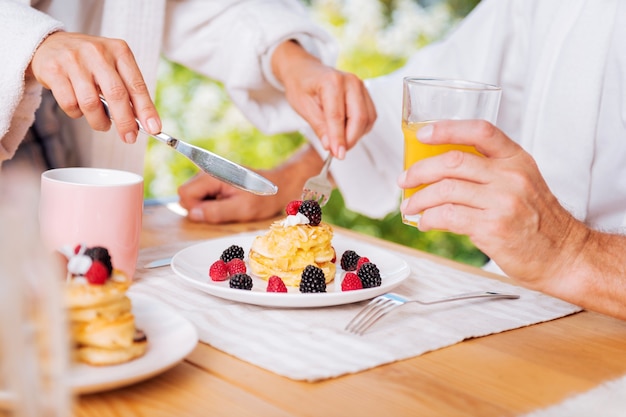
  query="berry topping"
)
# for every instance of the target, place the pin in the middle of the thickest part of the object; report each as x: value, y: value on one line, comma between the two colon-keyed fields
x: 349, y: 260
x: 370, y: 275
x: 292, y: 207
x: 218, y: 271
x: 232, y: 252
x: 236, y: 266
x: 97, y: 273
x: 276, y: 284
x: 313, y: 280
x: 241, y: 282
x: 362, y: 260
x: 98, y: 253
x: 312, y: 210
x: 351, y: 281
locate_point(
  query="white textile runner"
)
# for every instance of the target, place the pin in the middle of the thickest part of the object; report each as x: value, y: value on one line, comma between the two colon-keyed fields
x: 310, y: 344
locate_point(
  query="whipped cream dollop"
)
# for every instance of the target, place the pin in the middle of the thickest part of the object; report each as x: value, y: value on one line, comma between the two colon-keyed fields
x: 78, y: 263
x: 294, y: 220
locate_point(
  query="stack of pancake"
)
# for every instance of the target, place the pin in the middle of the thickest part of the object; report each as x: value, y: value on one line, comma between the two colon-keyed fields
x: 102, y: 324
x: 285, y: 250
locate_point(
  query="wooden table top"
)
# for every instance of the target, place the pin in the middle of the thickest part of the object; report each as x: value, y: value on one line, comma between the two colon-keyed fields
x: 504, y: 374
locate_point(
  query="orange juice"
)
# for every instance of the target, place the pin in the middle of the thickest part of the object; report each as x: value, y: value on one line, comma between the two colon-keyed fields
x: 414, y: 150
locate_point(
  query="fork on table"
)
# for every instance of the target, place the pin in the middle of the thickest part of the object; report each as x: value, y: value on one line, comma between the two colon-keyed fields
x: 319, y: 188
x: 380, y: 306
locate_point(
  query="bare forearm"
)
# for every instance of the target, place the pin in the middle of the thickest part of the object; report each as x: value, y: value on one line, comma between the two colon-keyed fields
x: 596, y: 279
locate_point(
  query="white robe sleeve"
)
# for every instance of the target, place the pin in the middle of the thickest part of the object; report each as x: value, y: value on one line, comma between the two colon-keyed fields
x: 21, y: 31
x: 231, y: 42
x: 367, y: 177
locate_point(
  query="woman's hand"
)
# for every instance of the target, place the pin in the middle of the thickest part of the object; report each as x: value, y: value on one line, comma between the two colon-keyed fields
x: 79, y: 68
x: 336, y: 104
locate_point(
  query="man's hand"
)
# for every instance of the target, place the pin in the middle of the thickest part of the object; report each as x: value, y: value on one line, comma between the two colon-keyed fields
x: 336, y: 104
x: 500, y: 201
x: 78, y: 68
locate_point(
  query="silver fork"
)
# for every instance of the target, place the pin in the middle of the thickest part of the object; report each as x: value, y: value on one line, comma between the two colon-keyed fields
x: 319, y: 188
x: 384, y: 304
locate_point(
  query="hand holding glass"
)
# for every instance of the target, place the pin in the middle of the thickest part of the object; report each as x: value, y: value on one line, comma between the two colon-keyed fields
x: 426, y: 100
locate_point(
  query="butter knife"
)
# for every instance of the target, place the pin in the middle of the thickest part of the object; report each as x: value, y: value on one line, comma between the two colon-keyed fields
x: 214, y: 165
x: 157, y: 263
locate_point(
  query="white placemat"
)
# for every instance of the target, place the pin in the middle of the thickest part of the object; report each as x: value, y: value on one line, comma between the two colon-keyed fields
x: 310, y: 344
x: 606, y: 400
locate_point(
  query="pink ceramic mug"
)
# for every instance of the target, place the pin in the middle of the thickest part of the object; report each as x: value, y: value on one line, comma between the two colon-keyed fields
x: 96, y: 207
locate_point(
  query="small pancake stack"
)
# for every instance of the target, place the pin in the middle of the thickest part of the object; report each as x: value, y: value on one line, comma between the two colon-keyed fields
x: 102, y: 324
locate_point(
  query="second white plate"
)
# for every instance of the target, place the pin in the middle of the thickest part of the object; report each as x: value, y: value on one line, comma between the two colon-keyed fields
x: 170, y: 338
x: 192, y: 266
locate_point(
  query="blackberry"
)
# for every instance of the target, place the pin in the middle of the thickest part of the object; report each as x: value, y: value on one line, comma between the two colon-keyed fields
x: 312, y: 210
x: 313, y: 279
x: 349, y: 260
x: 241, y: 282
x: 232, y: 252
x: 370, y: 275
x: 98, y: 253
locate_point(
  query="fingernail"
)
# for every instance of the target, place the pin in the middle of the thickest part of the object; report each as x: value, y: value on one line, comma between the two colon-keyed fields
x: 401, y: 178
x: 341, y: 152
x: 130, y: 137
x: 196, y: 214
x: 153, y: 125
x: 425, y: 133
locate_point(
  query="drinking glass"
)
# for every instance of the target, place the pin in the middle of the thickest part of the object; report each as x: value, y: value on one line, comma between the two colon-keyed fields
x: 426, y: 100
x: 95, y: 207
x: 34, y: 339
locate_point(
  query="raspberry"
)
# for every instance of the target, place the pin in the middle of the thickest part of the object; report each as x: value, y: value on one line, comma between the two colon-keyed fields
x: 370, y: 275
x: 276, y: 284
x: 98, y: 253
x: 351, y: 281
x: 241, y: 282
x: 349, y: 259
x: 235, y: 266
x: 232, y: 252
x: 312, y: 210
x: 218, y: 271
x: 361, y: 261
x: 313, y: 280
x: 292, y: 207
x: 97, y: 273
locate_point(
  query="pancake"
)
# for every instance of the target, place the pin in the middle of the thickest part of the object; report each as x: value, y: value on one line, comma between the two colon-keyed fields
x: 80, y: 295
x: 102, y: 325
x: 107, y: 311
x: 99, y: 356
x: 286, y: 250
x: 105, y: 333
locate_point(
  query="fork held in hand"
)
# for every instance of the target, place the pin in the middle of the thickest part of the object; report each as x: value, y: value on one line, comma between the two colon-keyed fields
x: 319, y: 188
x: 383, y: 304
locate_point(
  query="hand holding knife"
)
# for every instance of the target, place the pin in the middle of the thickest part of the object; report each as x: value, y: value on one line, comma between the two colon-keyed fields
x: 214, y: 165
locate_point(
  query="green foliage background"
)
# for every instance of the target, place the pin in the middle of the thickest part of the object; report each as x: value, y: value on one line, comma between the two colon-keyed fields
x: 199, y: 110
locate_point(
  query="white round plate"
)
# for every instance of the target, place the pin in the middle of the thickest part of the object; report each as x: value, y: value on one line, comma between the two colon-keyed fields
x: 192, y: 266
x: 170, y: 338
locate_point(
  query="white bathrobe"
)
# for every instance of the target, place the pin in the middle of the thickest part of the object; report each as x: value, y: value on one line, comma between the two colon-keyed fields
x: 563, y: 74
x: 227, y: 40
